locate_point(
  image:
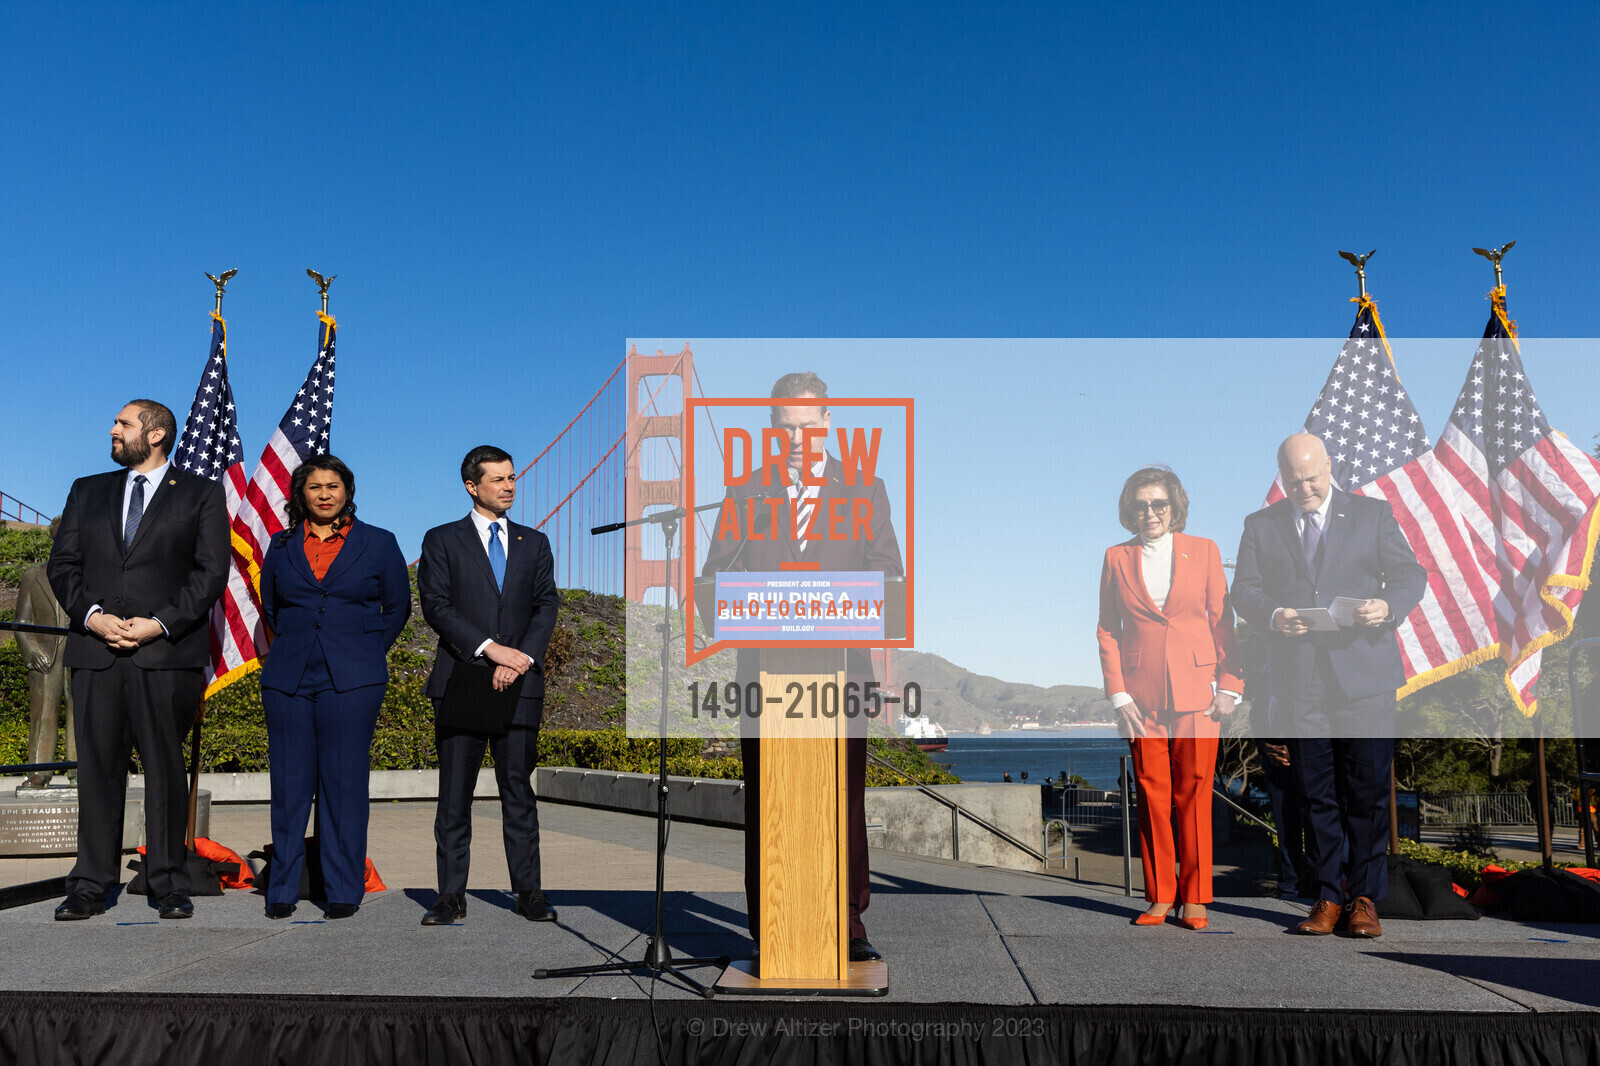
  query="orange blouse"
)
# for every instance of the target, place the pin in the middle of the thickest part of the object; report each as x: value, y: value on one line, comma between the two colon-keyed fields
x: 321, y: 553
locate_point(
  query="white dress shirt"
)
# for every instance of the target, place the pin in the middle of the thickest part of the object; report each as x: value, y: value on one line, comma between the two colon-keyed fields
x: 1300, y: 520
x: 482, y: 525
x: 153, y: 480
x: 807, y: 495
x: 1302, y: 517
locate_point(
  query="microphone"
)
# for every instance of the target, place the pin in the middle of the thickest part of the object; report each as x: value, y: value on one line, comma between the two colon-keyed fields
x: 763, y: 513
x: 775, y: 491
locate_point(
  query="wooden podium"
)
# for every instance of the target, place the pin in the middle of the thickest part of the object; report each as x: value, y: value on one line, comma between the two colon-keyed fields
x: 805, y: 922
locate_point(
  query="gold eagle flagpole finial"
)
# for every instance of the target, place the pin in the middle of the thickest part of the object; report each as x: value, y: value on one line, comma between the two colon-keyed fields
x: 221, y: 284
x: 322, y: 285
x: 1494, y: 255
x: 1360, y: 263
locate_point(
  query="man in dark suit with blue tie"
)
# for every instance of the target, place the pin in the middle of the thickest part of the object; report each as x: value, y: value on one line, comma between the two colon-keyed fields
x: 1334, y: 689
x: 141, y: 555
x: 488, y: 589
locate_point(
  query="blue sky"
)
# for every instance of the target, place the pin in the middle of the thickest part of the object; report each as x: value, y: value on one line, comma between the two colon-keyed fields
x: 509, y: 192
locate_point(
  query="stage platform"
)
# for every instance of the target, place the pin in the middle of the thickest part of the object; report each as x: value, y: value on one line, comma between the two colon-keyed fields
x: 983, y: 963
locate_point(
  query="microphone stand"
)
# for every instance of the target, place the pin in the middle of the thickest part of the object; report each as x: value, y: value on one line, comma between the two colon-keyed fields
x: 658, y: 959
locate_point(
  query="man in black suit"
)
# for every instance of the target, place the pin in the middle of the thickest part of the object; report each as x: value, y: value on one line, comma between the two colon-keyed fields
x: 878, y: 551
x: 488, y: 589
x: 1334, y: 689
x: 141, y: 556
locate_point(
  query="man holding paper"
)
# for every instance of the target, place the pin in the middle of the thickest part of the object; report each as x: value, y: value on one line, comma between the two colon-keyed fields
x: 1329, y: 576
x: 487, y: 586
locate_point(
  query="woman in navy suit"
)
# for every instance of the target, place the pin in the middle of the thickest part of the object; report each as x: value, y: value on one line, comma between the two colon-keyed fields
x: 335, y: 595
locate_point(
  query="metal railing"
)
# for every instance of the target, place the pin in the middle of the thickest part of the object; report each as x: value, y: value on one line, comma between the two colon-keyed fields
x: 1085, y: 808
x: 1055, y: 829
x: 1089, y: 808
x: 11, y: 509
x: 957, y: 813
x: 1489, y: 809
x: 1245, y: 813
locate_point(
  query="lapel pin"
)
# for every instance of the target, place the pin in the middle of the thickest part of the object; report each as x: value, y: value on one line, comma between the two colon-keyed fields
x: 174, y: 481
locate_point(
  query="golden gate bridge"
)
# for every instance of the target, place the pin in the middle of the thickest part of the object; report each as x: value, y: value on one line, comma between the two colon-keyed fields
x: 621, y: 456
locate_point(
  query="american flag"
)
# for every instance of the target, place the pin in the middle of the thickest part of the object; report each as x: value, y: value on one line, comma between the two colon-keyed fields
x: 1362, y: 414
x: 1520, y: 500
x: 1378, y: 448
x: 302, y: 433
x: 1501, y: 512
x: 210, y: 448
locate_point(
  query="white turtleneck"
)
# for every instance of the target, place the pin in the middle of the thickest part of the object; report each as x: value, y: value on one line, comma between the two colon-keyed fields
x: 1155, y: 561
x: 1155, y: 564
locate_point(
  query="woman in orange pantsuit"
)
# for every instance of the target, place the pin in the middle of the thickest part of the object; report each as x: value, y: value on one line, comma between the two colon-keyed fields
x: 1170, y: 661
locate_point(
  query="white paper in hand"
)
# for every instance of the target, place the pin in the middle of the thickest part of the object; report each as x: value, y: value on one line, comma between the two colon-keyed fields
x: 1320, y: 619
x: 1343, y: 610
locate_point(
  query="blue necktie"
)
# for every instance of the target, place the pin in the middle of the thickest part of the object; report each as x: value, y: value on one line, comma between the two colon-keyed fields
x: 130, y: 527
x: 497, y: 556
x: 1313, y: 539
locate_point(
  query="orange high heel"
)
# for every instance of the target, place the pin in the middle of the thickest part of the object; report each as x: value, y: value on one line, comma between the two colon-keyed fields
x: 1147, y: 918
x: 1194, y: 924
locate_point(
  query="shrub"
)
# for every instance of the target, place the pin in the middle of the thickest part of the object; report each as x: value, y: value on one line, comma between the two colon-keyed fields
x: 912, y: 765
x: 20, y: 549
x: 1466, y: 868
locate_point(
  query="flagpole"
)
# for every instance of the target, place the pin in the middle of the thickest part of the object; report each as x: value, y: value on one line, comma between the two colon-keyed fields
x: 1360, y: 263
x: 1540, y: 767
x: 322, y: 284
x: 1494, y: 255
x: 221, y: 284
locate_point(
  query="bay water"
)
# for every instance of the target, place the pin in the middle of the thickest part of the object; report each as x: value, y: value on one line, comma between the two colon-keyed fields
x: 1090, y: 753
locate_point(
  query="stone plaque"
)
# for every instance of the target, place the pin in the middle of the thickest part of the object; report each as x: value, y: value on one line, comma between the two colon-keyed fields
x: 39, y: 823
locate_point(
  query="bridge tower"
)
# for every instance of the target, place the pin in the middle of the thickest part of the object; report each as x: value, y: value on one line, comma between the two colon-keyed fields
x: 648, y: 380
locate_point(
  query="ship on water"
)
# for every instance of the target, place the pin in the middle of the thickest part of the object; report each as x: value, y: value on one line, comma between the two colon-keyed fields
x: 925, y: 734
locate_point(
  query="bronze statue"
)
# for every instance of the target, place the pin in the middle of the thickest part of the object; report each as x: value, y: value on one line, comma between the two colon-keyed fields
x: 49, y: 687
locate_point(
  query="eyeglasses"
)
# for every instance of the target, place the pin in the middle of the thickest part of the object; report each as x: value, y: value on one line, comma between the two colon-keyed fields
x: 1153, y: 507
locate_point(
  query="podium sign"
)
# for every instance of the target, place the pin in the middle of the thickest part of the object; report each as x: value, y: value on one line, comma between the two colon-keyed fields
x: 799, y: 606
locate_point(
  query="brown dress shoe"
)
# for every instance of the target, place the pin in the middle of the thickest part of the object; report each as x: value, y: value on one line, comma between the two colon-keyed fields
x: 1361, y: 918
x: 1322, y: 919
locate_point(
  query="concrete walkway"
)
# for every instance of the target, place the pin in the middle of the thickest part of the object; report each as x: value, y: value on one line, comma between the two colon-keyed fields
x: 951, y: 932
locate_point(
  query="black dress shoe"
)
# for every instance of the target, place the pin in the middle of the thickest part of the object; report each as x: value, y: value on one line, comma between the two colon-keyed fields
x: 535, y: 907
x: 342, y: 910
x: 176, y: 905
x: 79, y: 906
x: 863, y: 951
x: 279, y: 910
x: 447, y: 910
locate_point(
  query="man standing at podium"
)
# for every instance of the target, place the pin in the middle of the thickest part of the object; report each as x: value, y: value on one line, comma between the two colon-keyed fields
x: 880, y: 551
